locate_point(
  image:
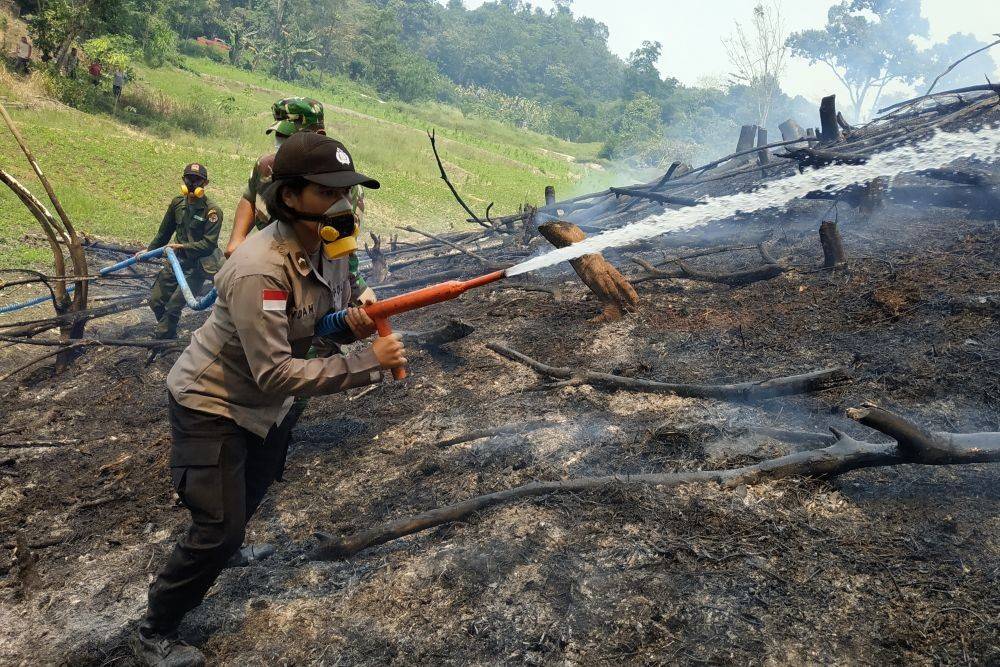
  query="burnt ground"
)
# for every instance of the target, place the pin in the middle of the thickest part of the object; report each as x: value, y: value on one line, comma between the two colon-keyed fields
x: 894, y: 565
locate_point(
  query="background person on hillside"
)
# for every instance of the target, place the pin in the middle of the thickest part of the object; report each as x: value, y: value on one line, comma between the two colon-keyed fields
x: 22, y: 56
x: 72, y: 62
x: 194, y: 222
x: 118, y: 83
x: 95, y: 72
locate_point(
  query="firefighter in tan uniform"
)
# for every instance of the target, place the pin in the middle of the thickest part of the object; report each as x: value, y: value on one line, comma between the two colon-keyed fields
x: 232, y: 387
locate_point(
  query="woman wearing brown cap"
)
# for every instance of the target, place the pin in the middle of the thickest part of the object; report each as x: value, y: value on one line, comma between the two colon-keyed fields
x: 231, y: 388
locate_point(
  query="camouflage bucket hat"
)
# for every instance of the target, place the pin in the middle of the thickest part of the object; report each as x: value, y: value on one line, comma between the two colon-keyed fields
x: 295, y: 114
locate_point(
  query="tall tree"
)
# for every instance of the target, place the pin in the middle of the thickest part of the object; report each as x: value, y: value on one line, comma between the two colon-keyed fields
x: 867, y: 44
x: 758, y: 55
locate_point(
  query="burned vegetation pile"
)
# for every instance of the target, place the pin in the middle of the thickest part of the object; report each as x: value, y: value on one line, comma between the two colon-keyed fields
x: 772, y: 440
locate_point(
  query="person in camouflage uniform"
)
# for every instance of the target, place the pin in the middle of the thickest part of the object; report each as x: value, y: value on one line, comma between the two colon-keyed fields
x: 291, y: 115
x: 194, y: 222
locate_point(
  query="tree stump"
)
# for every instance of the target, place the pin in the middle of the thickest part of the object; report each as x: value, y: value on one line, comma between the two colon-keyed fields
x: 790, y: 130
x: 615, y: 293
x: 833, y: 247
x: 380, y: 265
x: 764, y: 156
x: 748, y: 135
x: 828, y: 119
x: 550, y: 195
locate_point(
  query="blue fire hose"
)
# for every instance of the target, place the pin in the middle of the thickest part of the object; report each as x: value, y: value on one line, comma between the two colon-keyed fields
x: 333, y: 323
x: 193, y: 302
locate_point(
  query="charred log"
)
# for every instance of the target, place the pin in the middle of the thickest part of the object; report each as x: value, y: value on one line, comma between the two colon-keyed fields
x: 833, y: 245
x: 450, y: 332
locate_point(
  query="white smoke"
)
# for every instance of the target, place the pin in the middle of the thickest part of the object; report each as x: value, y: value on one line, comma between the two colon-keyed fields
x: 939, y: 150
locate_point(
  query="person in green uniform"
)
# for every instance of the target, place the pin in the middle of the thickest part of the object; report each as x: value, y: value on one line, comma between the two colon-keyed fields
x: 194, y: 222
x: 291, y: 116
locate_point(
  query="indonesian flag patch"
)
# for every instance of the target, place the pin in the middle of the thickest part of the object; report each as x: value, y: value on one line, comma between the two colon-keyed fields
x: 275, y: 299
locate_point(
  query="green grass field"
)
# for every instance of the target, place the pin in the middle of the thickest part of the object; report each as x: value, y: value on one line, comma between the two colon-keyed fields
x: 115, y: 180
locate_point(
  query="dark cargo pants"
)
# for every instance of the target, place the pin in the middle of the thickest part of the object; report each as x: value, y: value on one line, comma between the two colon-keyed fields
x: 221, y: 472
x: 167, y: 300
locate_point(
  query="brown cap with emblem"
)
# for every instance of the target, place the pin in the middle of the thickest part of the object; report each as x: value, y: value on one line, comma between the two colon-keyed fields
x: 319, y: 159
x: 196, y: 169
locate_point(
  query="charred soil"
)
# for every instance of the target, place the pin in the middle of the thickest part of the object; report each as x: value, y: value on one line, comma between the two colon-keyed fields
x: 893, y: 565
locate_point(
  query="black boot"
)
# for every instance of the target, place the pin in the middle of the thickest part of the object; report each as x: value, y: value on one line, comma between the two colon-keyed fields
x: 164, y: 649
x: 251, y: 553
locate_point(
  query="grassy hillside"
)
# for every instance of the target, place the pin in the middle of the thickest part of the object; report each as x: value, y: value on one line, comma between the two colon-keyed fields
x: 115, y: 180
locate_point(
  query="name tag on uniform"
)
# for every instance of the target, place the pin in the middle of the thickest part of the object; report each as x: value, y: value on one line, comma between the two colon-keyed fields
x: 275, y: 299
x: 199, y: 218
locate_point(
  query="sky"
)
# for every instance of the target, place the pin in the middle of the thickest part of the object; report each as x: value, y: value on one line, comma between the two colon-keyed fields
x: 691, y: 32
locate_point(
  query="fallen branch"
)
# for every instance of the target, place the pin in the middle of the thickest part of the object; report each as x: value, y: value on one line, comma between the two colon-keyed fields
x: 33, y: 327
x: 149, y: 343
x: 478, y: 258
x: 28, y: 444
x: 742, y: 391
x: 653, y: 196
x: 844, y: 455
x: 733, y: 279
x: 31, y: 362
x: 508, y: 429
x: 984, y: 87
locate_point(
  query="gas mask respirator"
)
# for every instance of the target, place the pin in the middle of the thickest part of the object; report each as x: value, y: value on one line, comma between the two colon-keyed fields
x: 340, y: 225
x: 193, y: 187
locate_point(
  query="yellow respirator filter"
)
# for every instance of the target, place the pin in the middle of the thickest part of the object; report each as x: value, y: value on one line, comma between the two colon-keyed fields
x: 199, y: 191
x: 335, y: 245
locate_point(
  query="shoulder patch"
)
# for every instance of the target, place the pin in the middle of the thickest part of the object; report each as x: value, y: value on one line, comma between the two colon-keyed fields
x: 274, y: 299
x: 213, y: 216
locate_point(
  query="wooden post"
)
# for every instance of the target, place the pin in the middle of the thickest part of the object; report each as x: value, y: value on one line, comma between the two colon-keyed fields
x: 748, y: 134
x: 828, y: 119
x: 764, y: 155
x: 833, y: 246
x: 790, y: 130
x: 550, y: 195
x: 810, y: 133
x: 610, y: 287
x: 531, y: 221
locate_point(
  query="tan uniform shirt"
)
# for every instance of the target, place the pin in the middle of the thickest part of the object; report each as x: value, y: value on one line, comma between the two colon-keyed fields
x: 248, y: 359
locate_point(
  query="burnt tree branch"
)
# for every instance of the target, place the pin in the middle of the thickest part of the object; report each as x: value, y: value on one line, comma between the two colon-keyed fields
x: 814, y: 381
x: 844, y: 455
x: 432, y: 135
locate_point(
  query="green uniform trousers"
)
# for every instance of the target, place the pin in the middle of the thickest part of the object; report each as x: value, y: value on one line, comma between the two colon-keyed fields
x: 166, y: 299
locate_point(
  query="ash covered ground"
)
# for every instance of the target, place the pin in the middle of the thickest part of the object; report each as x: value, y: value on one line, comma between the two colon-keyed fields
x: 887, y: 565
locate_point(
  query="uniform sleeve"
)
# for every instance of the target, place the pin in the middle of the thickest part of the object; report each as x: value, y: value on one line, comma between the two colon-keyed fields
x: 250, y: 193
x: 264, y: 335
x: 207, y: 244
x: 167, y: 228
x: 360, y: 291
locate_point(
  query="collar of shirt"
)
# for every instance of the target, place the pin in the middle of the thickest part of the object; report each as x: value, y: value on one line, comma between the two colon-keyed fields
x: 299, y: 257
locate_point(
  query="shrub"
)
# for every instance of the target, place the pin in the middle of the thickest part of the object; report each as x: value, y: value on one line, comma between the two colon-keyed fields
x: 191, y: 47
x: 114, y: 51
